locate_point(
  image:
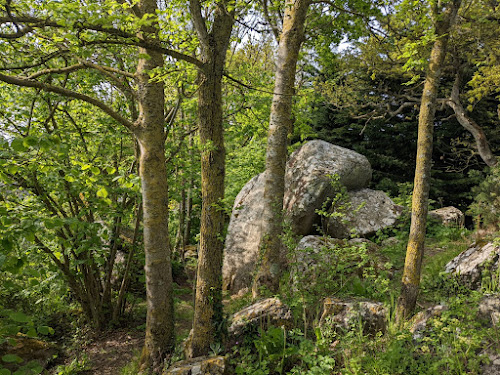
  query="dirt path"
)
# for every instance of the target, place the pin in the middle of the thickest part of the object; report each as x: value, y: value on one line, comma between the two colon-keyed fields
x: 112, y: 350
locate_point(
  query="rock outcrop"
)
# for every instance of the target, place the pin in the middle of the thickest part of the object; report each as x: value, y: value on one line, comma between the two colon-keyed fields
x: 350, y: 314
x: 449, y: 216
x: 370, y: 211
x: 307, y: 186
x: 478, y: 262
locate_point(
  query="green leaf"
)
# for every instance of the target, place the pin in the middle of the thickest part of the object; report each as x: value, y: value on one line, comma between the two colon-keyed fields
x: 31, y: 332
x: 35, y: 367
x: 95, y: 170
x: 30, y: 141
x: 11, y: 358
x: 4, y: 371
x: 18, y: 145
x: 19, y: 317
x: 102, y: 193
x: 30, y: 236
x: 45, y: 330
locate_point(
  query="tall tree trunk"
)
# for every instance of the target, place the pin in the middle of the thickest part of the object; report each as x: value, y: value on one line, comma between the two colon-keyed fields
x: 208, y: 298
x: 416, y: 241
x: 159, y: 342
x: 483, y: 148
x: 280, y: 123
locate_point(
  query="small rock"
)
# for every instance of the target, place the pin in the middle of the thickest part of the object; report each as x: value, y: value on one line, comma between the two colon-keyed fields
x: 198, y: 366
x: 421, y: 319
x: 470, y: 265
x: 493, y: 367
x: 391, y: 241
x: 28, y: 349
x: 449, y: 216
x: 267, y: 312
x: 489, y: 309
x: 348, y: 314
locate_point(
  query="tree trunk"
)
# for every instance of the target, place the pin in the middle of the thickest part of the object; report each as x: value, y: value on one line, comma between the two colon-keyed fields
x: 189, y: 199
x: 416, y: 241
x: 280, y: 123
x: 179, y: 238
x: 483, y: 148
x: 208, y: 316
x: 159, y: 342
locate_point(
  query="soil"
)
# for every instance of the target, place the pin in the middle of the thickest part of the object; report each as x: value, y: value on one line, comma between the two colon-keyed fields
x: 110, y: 351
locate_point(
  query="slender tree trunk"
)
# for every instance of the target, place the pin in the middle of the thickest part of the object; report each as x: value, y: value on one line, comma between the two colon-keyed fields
x: 159, y: 342
x: 483, y: 148
x: 280, y: 123
x: 416, y: 241
x: 120, y: 301
x: 189, y: 199
x: 208, y: 299
x: 179, y: 238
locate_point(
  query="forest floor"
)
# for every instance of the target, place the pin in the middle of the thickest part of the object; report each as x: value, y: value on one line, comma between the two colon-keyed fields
x: 111, y: 351
x: 114, y: 352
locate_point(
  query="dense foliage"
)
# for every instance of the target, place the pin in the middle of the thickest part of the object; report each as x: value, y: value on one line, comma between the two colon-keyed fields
x: 71, y: 218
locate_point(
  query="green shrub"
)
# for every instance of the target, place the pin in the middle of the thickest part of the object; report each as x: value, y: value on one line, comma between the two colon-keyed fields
x: 277, y: 351
x: 486, y: 203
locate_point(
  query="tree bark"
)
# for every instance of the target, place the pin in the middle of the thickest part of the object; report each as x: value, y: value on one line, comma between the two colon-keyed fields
x: 483, y: 148
x: 207, y: 321
x: 179, y: 238
x: 159, y: 341
x: 280, y: 123
x: 416, y: 241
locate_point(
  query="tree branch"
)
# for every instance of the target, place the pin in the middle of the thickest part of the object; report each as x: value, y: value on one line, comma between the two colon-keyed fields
x: 67, y: 69
x: 26, y: 82
x: 130, y: 39
x: 199, y: 23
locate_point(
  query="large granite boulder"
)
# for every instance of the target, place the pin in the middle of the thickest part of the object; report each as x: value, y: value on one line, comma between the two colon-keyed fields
x: 449, y: 216
x: 243, y: 236
x: 473, y: 265
x: 262, y: 314
x: 308, y: 183
x: 370, y: 211
x: 349, y: 315
x: 307, y: 186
